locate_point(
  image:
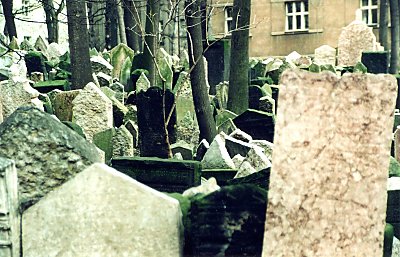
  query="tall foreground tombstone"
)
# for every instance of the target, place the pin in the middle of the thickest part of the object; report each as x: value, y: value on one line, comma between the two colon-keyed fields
x: 328, y: 183
x: 102, y: 212
x: 10, y: 219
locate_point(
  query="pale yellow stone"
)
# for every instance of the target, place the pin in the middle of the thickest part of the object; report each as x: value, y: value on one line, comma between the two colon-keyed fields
x: 327, y: 192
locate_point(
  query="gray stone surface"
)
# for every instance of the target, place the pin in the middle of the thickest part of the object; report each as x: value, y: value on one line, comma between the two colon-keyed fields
x: 102, y: 212
x: 15, y: 94
x: 122, y: 143
x: 396, y: 247
x: 327, y: 193
x: 45, y: 151
x: 99, y: 64
x: 356, y: 38
x: 92, y: 110
x: 217, y: 157
x: 325, y: 55
x: 10, y: 218
x: 62, y: 104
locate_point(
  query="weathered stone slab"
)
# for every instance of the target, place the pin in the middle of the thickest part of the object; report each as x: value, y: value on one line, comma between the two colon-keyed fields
x: 62, y: 103
x: 164, y: 175
x: 258, y: 124
x: 221, y: 175
x: 101, y: 212
x: 122, y: 143
x: 325, y: 55
x: 92, y: 110
x: 376, y: 62
x: 356, y: 38
x: 327, y: 194
x: 10, y: 218
x: 45, y: 151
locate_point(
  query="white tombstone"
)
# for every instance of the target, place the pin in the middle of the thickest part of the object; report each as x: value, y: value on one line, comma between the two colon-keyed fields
x: 325, y: 55
x: 92, y: 110
x: 102, y: 212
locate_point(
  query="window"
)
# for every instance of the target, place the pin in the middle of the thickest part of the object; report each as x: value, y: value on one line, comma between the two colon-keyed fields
x: 25, y: 7
x: 369, y: 9
x: 228, y: 19
x: 296, y: 16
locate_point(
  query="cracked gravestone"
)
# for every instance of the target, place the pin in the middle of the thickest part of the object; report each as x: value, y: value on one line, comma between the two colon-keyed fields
x: 102, y: 212
x: 327, y: 193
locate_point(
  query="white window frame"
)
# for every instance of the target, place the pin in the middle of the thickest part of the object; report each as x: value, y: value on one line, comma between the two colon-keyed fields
x: 292, y: 15
x: 369, y: 8
x: 228, y: 19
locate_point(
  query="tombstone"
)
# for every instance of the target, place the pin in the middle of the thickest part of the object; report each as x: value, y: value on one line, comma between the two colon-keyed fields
x: 62, y: 104
x: 165, y: 175
x: 9, y: 210
x: 222, y: 94
x: 224, y: 116
x: 92, y: 110
x: 99, y: 64
x: 132, y: 127
x: 35, y: 62
x: 103, y: 140
x: 255, y: 93
x: 50, y: 85
x: 153, y: 141
x: 16, y: 94
x: 131, y: 114
x: 103, y: 79
x: 325, y: 55
x: 327, y: 195
x: 208, y: 186
x: 122, y: 143
x: 119, y: 111
x: 165, y: 65
x: 217, y: 156
x: 376, y: 62
x: 201, y: 149
x: 41, y: 44
x: 46, y: 152
x: 143, y: 83
x: 354, y: 39
x: 267, y: 104
x: 227, y: 127
x: 101, y: 212
x: 118, y: 88
x: 228, y: 222
x: 118, y: 55
x: 221, y: 175
x: 258, y: 124
x: 184, y: 148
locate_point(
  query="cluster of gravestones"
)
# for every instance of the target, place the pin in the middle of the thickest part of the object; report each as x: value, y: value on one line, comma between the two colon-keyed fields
x: 328, y: 193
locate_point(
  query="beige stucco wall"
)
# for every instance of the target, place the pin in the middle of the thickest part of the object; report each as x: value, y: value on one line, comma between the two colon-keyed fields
x: 267, y: 34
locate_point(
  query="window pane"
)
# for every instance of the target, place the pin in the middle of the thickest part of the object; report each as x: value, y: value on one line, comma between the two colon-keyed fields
x: 289, y: 7
x: 228, y: 11
x: 364, y: 3
x: 374, y: 2
x: 374, y: 16
x: 306, y: 6
x: 306, y: 21
x: 298, y: 6
x: 290, y: 22
x: 365, y: 16
x: 298, y: 21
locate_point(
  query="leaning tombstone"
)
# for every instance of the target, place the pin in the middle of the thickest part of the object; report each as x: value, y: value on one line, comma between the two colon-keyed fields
x: 92, y: 110
x: 255, y: 93
x: 122, y: 143
x: 10, y: 218
x: 101, y: 212
x: 258, y: 124
x: 153, y: 110
x: 46, y: 152
x: 327, y: 193
x: 354, y: 39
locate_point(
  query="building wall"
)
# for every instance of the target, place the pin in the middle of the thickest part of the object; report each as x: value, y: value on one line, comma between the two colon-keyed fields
x: 268, y: 36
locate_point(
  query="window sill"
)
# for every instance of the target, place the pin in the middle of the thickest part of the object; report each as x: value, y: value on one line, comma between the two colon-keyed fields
x: 284, y: 33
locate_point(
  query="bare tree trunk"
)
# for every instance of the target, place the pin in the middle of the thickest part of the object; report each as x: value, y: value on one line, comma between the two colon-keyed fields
x: 78, y: 44
x: 383, y: 23
x: 132, y: 24
x: 151, y: 38
x: 52, y: 19
x: 111, y: 24
x: 238, y: 94
x: 121, y: 23
x: 197, y: 76
x: 395, y: 33
x: 9, y: 17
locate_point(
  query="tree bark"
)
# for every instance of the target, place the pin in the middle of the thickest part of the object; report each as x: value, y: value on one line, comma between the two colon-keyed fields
x: 151, y: 39
x: 132, y: 25
x: 383, y: 23
x: 52, y: 19
x: 121, y: 23
x: 78, y: 44
x: 238, y: 94
x: 111, y: 24
x: 9, y: 17
x: 395, y: 33
x: 197, y: 76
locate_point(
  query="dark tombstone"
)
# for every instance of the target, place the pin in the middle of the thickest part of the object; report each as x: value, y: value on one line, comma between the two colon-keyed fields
x: 35, y: 61
x: 260, y: 178
x: 50, y: 85
x: 221, y: 175
x: 235, y: 146
x: 258, y: 124
x: 136, y: 70
x: 393, y: 210
x: 201, y: 150
x: 376, y: 62
x: 153, y: 141
x: 163, y: 175
x: 228, y: 222
x: 255, y: 93
x: 185, y: 149
x: 218, y: 63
